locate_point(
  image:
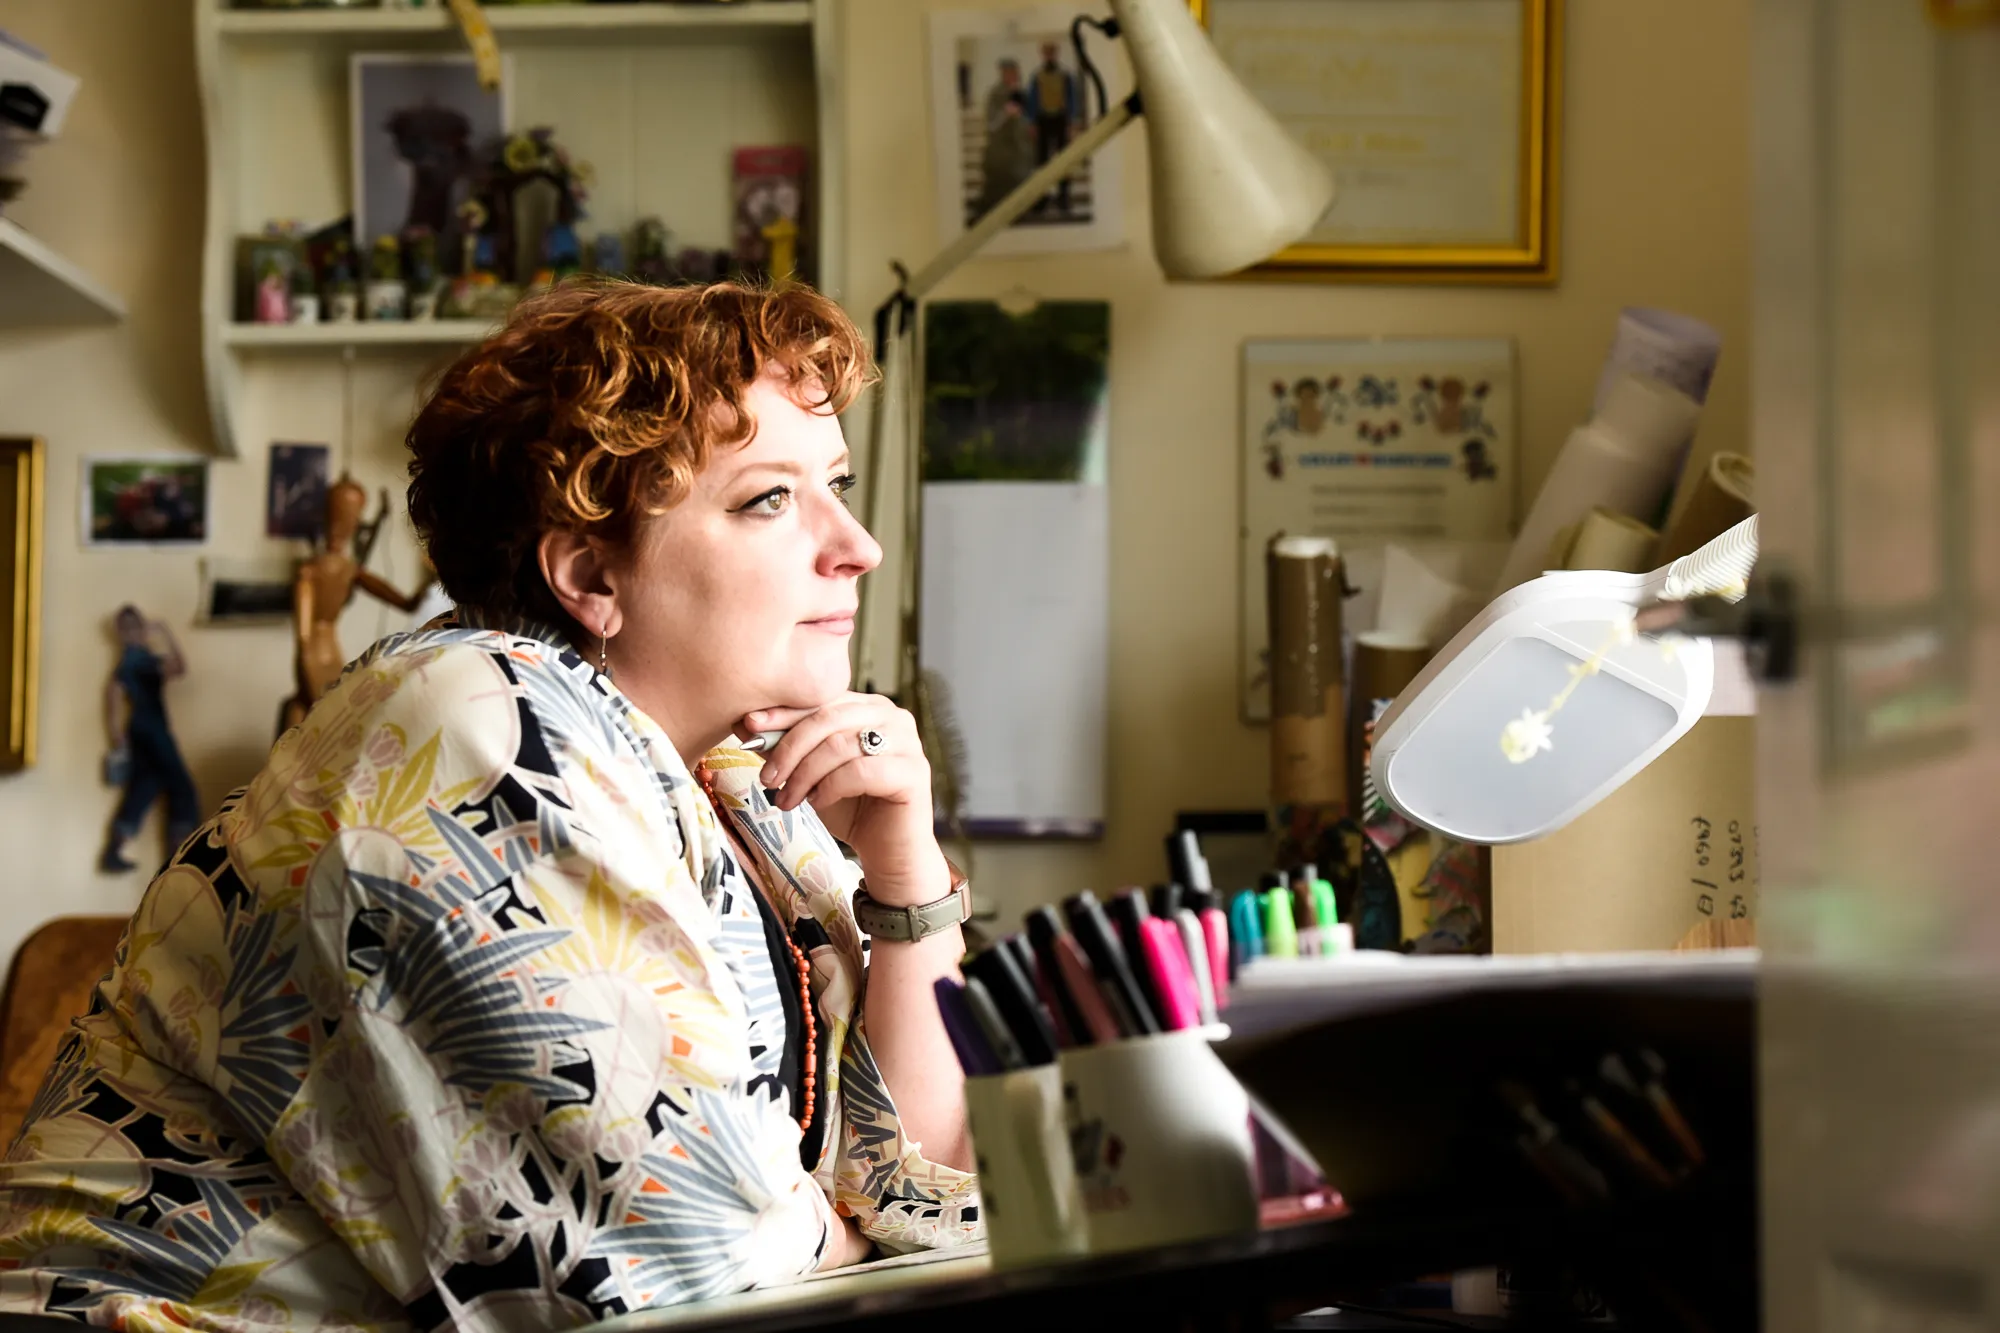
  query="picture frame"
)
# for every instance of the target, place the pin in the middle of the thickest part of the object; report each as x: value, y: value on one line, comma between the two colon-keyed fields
x: 1446, y: 155
x: 970, y: 51
x: 146, y: 502
x: 23, y: 467
x: 295, y: 497
x: 237, y: 592
x: 1374, y: 442
x: 258, y: 260
x: 422, y: 126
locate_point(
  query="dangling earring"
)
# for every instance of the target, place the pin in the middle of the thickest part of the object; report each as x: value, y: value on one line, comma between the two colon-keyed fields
x: 603, y: 654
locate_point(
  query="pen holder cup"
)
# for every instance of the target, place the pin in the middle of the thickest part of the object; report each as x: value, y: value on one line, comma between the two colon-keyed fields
x: 1027, y: 1185
x: 1159, y: 1135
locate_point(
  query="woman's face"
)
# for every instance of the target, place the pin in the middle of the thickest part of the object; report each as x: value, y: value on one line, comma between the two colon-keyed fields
x: 743, y: 595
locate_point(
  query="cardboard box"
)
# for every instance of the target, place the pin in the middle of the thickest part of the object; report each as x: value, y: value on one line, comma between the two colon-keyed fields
x: 34, y: 95
x: 1667, y: 861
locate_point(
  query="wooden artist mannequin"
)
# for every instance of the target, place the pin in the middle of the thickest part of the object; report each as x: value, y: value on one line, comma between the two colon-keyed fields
x: 321, y: 591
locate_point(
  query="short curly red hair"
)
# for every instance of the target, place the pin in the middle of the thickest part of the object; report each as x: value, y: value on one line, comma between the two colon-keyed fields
x: 597, y: 404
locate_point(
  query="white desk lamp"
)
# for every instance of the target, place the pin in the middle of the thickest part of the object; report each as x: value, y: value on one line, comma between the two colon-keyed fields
x: 1229, y: 188
x: 1554, y: 696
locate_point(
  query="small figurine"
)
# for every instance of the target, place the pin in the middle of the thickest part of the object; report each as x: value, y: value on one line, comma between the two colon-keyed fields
x: 420, y: 270
x: 343, y: 297
x: 781, y: 240
x: 607, y: 250
x: 562, y: 253
x: 321, y: 591
x: 274, y: 298
x: 651, y: 243
x: 305, y: 295
x: 144, y: 759
x: 388, y: 297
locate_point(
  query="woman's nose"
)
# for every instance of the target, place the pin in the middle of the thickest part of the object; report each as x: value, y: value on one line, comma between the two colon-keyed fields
x: 847, y: 549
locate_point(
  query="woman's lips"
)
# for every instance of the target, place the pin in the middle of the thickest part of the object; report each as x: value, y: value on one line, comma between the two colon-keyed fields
x: 840, y: 624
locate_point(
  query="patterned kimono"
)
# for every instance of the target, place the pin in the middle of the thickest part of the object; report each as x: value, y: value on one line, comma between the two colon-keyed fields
x: 461, y: 1015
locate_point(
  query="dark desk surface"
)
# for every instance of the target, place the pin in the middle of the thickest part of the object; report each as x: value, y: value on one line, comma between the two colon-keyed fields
x: 1244, y: 1282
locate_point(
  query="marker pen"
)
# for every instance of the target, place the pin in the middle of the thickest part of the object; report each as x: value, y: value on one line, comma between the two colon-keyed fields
x: 1194, y: 943
x: 1246, y: 928
x: 968, y: 1039
x: 1304, y: 911
x: 1215, y: 932
x: 1167, y: 961
x: 1014, y: 996
x: 1044, y: 929
x: 1281, y: 933
x: 1109, y: 964
x: 998, y: 1037
x: 1099, y: 1027
x: 1128, y: 910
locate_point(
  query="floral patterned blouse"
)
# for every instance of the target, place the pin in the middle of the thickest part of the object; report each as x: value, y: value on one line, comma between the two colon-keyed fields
x: 461, y: 1015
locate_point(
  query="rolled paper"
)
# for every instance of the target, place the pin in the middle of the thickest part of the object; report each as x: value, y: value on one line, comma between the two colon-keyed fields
x: 1676, y: 348
x: 1623, y: 461
x: 1384, y: 664
x: 1607, y: 540
x: 1304, y: 585
x: 1721, y: 494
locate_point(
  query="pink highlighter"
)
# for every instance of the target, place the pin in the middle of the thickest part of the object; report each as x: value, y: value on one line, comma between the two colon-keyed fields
x: 1215, y: 930
x: 1173, y: 976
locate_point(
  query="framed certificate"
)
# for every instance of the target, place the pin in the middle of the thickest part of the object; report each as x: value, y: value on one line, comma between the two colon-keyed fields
x: 1441, y: 121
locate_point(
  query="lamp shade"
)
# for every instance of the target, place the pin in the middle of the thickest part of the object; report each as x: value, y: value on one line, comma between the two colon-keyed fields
x: 1230, y: 186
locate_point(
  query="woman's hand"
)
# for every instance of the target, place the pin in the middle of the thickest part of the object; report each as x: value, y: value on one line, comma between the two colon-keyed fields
x: 879, y: 804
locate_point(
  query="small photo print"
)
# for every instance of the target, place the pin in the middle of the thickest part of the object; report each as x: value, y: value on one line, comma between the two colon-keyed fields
x: 144, y: 502
x: 295, y: 504
x: 1016, y: 397
x: 245, y: 592
x: 422, y: 124
x: 1008, y: 94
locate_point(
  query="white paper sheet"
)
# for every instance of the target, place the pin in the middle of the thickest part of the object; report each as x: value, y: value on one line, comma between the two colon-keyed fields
x: 1016, y: 606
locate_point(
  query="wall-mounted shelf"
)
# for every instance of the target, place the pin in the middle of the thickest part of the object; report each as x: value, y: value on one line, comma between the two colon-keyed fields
x: 529, y: 22
x: 332, y: 337
x: 655, y: 96
x: 39, y: 286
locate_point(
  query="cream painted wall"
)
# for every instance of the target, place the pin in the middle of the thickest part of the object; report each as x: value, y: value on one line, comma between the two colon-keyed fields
x: 1656, y: 212
x: 121, y: 194
x: 1656, y: 165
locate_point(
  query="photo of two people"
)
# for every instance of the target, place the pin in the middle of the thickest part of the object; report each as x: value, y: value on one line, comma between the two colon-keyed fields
x: 1021, y: 101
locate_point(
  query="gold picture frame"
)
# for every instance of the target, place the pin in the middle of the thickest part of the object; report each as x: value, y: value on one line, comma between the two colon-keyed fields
x: 22, y: 468
x: 1531, y: 257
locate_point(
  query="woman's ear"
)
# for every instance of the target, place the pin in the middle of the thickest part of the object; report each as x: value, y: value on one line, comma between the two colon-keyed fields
x: 577, y: 570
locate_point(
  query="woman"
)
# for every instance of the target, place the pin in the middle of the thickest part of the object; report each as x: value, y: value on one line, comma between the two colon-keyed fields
x: 481, y: 1006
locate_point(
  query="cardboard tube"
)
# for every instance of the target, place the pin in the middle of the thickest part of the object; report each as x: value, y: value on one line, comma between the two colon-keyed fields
x: 1384, y: 664
x: 1607, y: 540
x: 1723, y: 495
x: 1304, y: 585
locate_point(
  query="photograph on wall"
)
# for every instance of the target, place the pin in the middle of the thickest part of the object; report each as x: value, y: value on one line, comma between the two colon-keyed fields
x: 1007, y: 94
x: 1016, y: 550
x: 145, y: 502
x: 422, y: 125
x: 295, y: 504
x: 245, y: 592
x: 1372, y: 442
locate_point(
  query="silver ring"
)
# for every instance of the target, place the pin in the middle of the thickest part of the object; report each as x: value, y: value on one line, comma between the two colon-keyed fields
x: 873, y: 741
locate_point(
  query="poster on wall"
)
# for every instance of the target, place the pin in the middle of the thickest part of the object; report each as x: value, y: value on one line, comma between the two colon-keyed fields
x: 1017, y: 557
x: 145, y: 502
x: 1007, y: 94
x: 421, y: 125
x: 1371, y: 442
x: 295, y: 505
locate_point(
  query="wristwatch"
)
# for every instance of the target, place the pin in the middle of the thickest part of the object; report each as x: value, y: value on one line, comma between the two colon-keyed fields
x: 910, y: 924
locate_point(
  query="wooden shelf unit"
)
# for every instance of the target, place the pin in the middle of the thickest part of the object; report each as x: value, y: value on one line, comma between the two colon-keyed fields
x: 38, y: 286
x: 653, y: 95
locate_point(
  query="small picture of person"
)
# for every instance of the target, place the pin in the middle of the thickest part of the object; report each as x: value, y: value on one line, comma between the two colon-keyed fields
x: 1057, y: 114
x: 144, y: 758
x: 1009, y: 156
x: 1006, y: 89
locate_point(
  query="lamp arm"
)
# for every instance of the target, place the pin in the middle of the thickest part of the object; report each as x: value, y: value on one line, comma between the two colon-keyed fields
x: 892, y: 321
x: 1001, y: 215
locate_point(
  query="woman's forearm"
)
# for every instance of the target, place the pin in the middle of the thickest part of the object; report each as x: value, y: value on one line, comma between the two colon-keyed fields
x: 909, y: 1041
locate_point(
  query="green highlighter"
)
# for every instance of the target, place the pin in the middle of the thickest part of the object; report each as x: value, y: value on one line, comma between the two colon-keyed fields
x: 1328, y: 912
x: 1281, y: 932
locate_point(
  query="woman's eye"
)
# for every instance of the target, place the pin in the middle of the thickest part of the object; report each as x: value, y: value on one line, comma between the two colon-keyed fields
x: 841, y: 485
x: 770, y: 502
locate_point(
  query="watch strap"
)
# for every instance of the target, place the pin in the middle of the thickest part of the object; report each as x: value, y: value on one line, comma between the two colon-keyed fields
x: 910, y: 924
